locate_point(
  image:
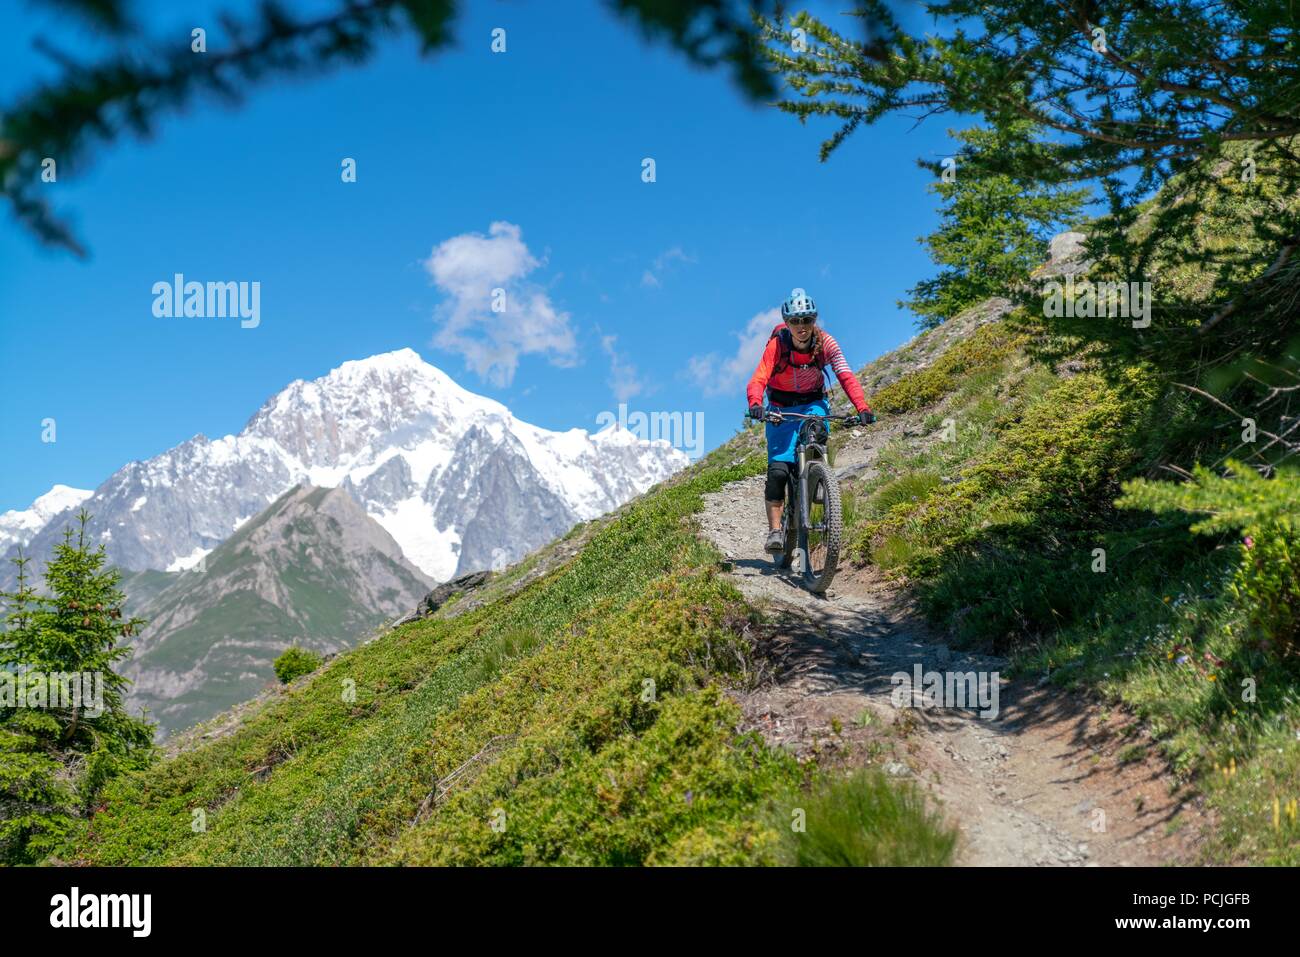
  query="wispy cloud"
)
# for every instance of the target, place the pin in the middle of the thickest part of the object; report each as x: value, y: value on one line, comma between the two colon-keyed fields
x: 653, y: 277
x: 467, y: 268
x: 718, y: 374
x: 624, y: 379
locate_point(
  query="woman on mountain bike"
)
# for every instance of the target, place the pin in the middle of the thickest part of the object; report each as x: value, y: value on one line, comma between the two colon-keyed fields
x: 793, y: 371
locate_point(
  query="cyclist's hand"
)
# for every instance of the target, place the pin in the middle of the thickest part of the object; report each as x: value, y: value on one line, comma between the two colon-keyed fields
x: 866, y: 417
x: 756, y: 412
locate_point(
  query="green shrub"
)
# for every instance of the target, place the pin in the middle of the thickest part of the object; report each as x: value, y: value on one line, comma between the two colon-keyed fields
x: 510, y: 645
x: 910, y: 488
x: 738, y: 844
x: 892, y: 552
x: 863, y: 820
x: 986, y: 347
x: 1067, y: 452
x: 849, y: 504
x: 1267, y: 514
x: 296, y: 662
x: 1056, y: 464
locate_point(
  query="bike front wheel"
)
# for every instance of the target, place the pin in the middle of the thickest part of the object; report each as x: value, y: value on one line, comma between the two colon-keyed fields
x: 790, y: 528
x: 825, y: 528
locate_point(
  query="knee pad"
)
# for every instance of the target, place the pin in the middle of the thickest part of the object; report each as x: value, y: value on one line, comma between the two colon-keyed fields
x: 778, y: 474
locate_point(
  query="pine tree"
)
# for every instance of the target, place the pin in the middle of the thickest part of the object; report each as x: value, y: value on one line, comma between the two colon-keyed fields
x: 36, y: 801
x: 58, y: 749
x: 995, y: 227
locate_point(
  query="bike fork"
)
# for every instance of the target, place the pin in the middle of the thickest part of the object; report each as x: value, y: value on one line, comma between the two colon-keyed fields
x: 803, y: 491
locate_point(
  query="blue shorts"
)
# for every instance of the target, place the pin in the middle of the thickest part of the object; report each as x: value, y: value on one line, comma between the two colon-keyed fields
x: 781, y: 438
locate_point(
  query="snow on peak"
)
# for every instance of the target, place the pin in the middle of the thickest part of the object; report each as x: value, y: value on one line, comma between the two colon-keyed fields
x: 417, y: 450
x: 389, y: 390
x: 399, y: 362
x: 60, y: 497
x: 398, y: 359
x: 20, y: 526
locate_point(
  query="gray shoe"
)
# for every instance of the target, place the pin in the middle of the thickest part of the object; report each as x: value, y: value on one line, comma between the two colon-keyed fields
x: 775, y: 542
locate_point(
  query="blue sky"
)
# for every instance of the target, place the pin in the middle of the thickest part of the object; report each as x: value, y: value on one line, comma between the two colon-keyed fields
x: 633, y: 290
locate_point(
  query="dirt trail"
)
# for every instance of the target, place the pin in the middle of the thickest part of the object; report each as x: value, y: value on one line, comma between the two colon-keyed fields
x: 1034, y: 785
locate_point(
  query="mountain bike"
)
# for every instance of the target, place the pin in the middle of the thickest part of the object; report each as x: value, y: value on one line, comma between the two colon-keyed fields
x: 811, y: 521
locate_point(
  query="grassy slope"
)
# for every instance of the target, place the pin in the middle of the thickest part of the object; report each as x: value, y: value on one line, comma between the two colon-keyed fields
x: 581, y: 719
x: 996, y: 526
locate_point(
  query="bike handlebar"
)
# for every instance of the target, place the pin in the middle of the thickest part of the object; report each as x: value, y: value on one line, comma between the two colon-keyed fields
x: 775, y: 417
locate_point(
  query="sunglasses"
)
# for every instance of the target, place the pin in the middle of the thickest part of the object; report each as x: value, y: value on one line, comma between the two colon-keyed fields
x: 807, y: 321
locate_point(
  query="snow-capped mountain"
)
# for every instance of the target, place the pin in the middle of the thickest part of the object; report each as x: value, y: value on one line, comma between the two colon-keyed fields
x: 19, y: 527
x: 454, y: 477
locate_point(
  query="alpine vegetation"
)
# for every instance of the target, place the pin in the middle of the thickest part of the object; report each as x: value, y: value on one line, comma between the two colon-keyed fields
x: 61, y: 742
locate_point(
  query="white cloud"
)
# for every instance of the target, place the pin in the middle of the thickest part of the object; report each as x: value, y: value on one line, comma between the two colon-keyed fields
x: 653, y: 276
x: 668, y: 255
x: 718, y: 375
x: 467, y: 268
x: 624, y: 380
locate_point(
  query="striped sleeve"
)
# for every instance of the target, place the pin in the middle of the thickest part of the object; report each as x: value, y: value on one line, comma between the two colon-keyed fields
x: 840, y: 366
x: 758, y: 382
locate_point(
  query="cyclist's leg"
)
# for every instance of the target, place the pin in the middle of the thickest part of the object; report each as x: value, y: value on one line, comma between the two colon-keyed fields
x: 778, y: 480
x: 780, y: 460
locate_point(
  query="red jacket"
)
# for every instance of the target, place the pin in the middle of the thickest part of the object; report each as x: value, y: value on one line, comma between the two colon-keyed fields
x: 807, y: 379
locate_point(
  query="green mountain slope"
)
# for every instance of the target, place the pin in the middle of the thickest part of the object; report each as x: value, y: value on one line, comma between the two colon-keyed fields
x: 579, y: 719
x: 1001, y: 517
x: 311, y: 569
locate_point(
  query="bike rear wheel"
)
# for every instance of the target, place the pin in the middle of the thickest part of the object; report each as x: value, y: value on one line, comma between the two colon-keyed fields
x: 825, y: 528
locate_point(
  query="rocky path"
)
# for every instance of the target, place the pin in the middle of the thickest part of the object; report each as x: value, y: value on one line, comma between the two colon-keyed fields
x: 1042, y: 783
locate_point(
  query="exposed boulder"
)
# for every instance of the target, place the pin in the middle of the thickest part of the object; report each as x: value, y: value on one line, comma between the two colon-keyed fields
x: 1068, y: 256
x: 440, y: 595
